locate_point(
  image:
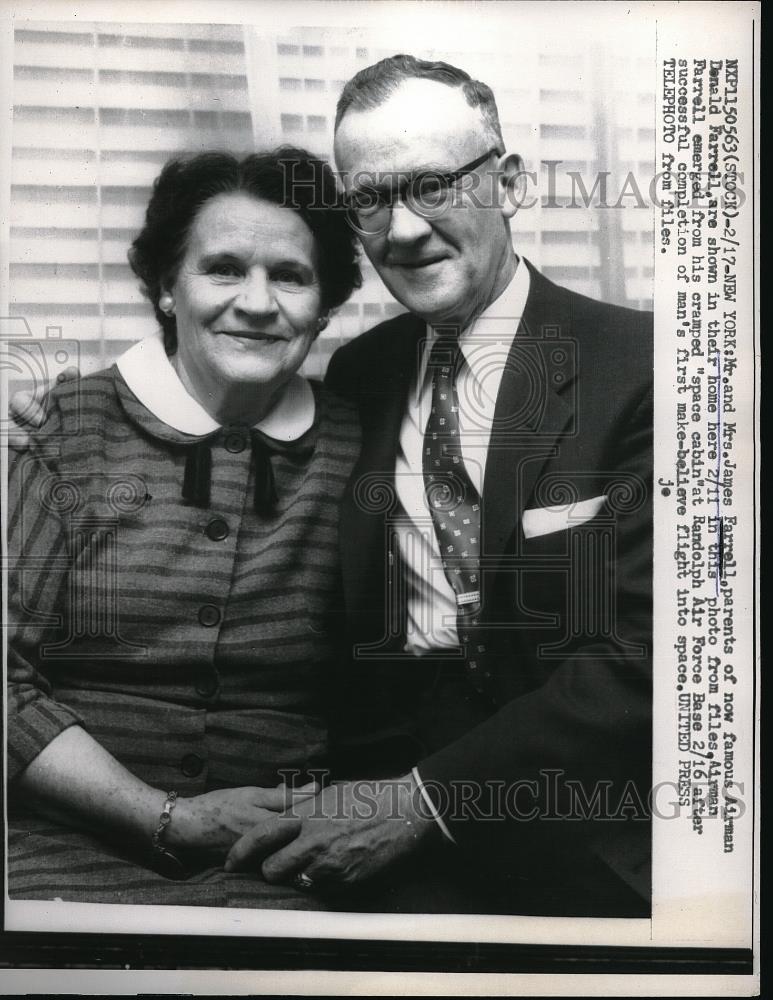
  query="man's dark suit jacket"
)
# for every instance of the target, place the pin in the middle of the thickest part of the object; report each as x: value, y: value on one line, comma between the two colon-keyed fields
x: 568, y: 611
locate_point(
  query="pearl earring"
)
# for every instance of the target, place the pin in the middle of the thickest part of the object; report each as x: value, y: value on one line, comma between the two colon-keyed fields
x: 322, y: 322
x: 166, y: 304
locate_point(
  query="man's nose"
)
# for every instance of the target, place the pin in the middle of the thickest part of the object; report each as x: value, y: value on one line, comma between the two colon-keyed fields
x: 256, y: 294
x: 406, y: 226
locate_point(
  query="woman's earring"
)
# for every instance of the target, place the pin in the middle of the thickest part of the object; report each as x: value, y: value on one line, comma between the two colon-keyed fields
x: 166, y: 304
x: 322, y: 322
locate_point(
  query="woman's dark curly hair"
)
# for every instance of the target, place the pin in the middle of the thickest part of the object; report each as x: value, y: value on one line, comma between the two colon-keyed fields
x: 287, y: 176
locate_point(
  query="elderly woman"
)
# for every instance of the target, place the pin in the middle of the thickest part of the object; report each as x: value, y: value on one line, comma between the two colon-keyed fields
x: 173, y: 530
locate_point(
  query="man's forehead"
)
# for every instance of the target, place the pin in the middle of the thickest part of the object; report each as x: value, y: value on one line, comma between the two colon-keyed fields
x: 422, y: 123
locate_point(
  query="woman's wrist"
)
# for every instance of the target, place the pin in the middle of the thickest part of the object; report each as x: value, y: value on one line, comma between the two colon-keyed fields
x: 160, y: 849
x: 158, y: 840
x: 177, y: 832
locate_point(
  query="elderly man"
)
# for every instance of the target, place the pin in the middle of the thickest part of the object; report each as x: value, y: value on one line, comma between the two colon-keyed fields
x: 496, y: 543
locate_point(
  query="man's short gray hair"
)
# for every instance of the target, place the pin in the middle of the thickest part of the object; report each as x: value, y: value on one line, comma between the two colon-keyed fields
x: 375, y: 84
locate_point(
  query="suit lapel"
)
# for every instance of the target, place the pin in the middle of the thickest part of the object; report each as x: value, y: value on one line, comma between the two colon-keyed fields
x: 372, y: 499
x: 533, y: 411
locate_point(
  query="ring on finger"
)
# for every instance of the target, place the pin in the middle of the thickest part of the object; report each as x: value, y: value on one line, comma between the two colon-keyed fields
x: 303, y: 882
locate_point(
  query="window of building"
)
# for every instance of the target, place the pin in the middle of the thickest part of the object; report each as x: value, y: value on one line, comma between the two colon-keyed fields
x: 564, y: 238
x: 562, y: 96
x: 313, y: 50
x: 142, y: 77
x: 562, y: 131
x: 215, y: 45
x: 144, y: 41
x: 314, y: 84
x: 316, y: 123
x: 289, y: 83
x: 562, y: 168
x: 283, y: 49
x: 222, y: 80
x: 66, y: 38
x: 291, y: 123
x: 554, y: 60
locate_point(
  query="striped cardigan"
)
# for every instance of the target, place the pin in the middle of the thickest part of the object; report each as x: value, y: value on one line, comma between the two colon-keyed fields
x: 192, y: 639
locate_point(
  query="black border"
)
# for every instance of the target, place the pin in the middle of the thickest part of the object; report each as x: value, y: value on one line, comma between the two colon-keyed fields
x: 34, y: 950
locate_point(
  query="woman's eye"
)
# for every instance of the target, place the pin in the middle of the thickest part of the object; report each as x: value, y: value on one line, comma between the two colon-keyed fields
x: 225, y: 270
x: 287, y: 276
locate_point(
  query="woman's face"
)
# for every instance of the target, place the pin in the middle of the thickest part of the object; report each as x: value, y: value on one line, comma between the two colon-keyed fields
x: 246, y: 297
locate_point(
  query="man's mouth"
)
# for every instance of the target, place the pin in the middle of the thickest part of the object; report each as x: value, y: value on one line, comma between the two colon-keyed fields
x: 417, y: 265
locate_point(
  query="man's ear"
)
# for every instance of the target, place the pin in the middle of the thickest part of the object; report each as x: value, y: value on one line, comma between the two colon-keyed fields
x: 512, y: 180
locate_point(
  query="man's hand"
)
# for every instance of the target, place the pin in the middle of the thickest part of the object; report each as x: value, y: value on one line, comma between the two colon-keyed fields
x: 344, y: 835
x: 27, y: 411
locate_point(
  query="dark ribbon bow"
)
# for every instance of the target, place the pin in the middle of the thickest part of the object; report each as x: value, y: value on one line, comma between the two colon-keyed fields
x: 198, y: 474
x: 264, y: 496
x: 198, y: 470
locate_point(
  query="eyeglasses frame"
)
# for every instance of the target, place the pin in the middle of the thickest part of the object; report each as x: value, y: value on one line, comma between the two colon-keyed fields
x: 409, y: 181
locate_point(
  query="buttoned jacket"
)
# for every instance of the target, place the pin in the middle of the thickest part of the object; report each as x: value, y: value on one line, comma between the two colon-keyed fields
x: 566, y: 575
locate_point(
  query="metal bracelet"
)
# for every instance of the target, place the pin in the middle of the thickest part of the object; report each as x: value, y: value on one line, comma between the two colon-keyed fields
x: 163, y: 822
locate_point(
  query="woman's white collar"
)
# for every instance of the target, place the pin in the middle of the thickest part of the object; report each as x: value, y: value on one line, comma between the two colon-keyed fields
x: 149, y: 374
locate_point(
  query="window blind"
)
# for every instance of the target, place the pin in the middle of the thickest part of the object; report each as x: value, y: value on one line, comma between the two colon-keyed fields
x: 97, y: 110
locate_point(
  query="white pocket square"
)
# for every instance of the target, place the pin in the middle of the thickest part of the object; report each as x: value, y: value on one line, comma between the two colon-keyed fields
x: 545, y: 520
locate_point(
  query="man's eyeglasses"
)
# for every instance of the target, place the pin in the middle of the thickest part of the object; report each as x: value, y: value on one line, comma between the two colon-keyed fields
x: 428, y: 193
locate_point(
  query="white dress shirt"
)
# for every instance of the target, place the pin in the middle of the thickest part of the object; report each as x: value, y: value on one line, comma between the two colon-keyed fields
x: 485, y: 345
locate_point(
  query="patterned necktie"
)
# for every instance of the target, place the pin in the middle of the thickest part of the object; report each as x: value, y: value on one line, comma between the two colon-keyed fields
x: 454, y: 502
